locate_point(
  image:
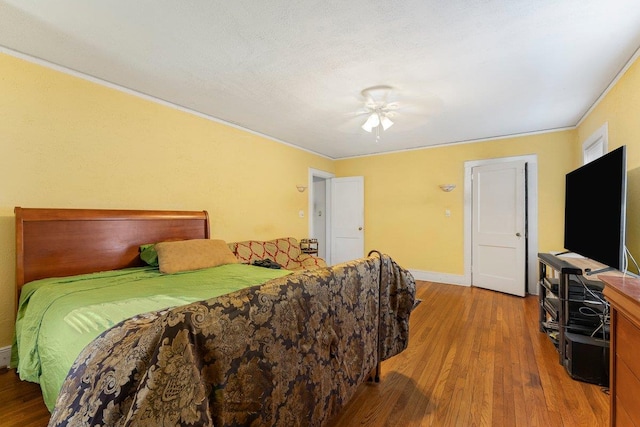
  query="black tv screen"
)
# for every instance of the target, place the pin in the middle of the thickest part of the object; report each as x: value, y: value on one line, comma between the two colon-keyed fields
x: 595, y: 209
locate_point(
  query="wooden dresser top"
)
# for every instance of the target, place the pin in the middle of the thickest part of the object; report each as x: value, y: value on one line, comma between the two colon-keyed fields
x: 623, y: 292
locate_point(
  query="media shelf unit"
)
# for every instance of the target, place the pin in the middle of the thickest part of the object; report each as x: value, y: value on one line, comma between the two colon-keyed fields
x: 581, y: 339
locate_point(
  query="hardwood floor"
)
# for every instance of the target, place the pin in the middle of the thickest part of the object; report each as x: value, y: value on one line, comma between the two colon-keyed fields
x: 21, y: 402
x: 475, y: 358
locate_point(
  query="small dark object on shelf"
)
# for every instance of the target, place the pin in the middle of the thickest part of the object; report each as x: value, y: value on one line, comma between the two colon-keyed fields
x: 266, y: 263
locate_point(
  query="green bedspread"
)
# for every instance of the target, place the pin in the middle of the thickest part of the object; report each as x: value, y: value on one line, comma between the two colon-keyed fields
x: 58, y: 317
x: 290, y: 352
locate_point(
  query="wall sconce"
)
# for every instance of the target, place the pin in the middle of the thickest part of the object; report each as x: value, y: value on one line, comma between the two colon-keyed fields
x: 447, y: 187
x: 301, y: 188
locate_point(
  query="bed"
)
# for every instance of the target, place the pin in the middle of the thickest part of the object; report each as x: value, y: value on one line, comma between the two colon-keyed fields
x: 278, y: 349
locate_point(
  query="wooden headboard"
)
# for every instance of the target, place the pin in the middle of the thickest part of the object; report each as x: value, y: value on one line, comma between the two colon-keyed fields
x: 65, y: 242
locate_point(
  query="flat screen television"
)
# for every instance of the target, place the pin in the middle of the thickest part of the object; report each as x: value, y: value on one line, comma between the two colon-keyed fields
x: 595, y: 209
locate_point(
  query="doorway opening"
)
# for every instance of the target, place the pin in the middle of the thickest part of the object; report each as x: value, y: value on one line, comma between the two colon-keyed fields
x: 320, y: 211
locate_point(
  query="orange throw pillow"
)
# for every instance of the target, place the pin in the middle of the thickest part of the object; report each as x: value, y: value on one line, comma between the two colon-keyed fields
x: 186, y: 255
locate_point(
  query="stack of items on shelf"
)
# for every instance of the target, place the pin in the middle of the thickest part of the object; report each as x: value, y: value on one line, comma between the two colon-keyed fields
x: 575, y: 316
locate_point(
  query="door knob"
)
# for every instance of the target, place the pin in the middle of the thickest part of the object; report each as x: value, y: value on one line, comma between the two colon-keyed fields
x: 518, y: 235
x: 359, y: 228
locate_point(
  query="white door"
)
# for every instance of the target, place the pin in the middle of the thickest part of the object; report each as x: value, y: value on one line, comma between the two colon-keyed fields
x: 499, y: 242
x: 347, y: 219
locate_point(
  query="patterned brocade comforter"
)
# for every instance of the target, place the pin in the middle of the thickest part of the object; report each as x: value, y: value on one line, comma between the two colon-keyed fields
x: 289, y: 352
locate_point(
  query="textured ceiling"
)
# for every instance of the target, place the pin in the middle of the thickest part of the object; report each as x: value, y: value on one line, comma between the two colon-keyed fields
x: 293, y: 71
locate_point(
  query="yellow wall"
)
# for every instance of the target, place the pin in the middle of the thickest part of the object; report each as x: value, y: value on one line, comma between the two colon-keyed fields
x: 67, y: 142
x: 621, y: 109
x: 405, y: 208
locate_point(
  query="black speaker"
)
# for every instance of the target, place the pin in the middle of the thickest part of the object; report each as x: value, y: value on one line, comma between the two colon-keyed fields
x: 587, y: 359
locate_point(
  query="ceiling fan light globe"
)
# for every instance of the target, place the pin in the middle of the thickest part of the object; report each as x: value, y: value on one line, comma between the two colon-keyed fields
x: 386, y: 122
x: 375, y: 119
x: 371, y: 122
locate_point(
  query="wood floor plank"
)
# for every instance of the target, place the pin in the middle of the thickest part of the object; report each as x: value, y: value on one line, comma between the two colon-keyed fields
x: 475, y: 358
x: 21, y: 403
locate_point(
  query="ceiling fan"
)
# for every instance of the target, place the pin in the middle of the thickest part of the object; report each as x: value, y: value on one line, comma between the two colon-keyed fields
x: 378, y: 108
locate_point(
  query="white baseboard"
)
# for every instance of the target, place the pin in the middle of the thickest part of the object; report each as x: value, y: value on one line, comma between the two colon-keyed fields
x: 454, y: 279
x: 5, y: 356
x: 431, y: 276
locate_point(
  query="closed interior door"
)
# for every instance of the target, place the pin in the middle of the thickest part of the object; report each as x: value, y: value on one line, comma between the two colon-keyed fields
x: 347, y: 219
x: 499, y: 221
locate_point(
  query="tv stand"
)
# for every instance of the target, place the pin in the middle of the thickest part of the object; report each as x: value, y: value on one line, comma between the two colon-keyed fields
x: 581, y: 340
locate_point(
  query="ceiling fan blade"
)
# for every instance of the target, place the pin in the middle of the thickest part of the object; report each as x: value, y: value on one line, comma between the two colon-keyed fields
x: 357, y: 113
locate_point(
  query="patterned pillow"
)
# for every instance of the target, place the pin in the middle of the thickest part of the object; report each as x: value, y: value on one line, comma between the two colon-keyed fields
x: 253, y: 250
x: 288, y: 246
x: 195, y: 254
x: 285, y: 251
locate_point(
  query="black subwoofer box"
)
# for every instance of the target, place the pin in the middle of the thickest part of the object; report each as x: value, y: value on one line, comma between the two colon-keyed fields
x: 587, y: 359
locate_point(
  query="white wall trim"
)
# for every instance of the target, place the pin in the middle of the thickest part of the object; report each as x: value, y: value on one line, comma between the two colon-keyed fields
x: 532, y: 207
x: 5, y: 356
x: 599, y: 139
x: 160, y: 101
x: 99, y: 81
x: 468, y: 141
x: 56, y: 67
x: 432, y: 276
x: 615, y: 80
